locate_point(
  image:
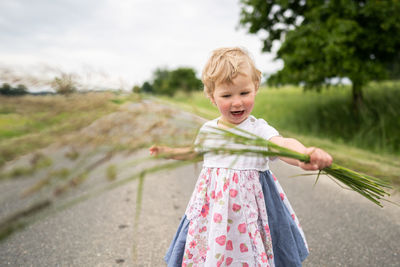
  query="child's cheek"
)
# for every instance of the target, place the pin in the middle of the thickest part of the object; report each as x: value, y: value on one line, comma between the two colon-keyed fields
x: 225, y: 107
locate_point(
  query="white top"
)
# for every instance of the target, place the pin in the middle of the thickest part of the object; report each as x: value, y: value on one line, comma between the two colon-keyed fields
x: 258, y: 127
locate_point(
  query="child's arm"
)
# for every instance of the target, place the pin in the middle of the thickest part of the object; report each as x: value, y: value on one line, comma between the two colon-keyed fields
x: 319, y: 159
x: 182, y: 153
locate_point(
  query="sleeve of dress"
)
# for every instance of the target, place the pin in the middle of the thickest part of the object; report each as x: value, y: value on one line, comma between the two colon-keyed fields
x: 200, y: 139
x: 265, y: 130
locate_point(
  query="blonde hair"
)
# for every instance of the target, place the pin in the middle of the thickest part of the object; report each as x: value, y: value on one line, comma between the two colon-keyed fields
x: 224, y: 65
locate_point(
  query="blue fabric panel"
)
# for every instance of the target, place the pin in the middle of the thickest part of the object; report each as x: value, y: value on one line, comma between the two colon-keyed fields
x: 174, y: 255
x: 287, y: 242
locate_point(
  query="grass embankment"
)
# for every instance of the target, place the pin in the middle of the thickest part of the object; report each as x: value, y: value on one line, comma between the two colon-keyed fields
x: 369, y: 142
x: 31, y: 122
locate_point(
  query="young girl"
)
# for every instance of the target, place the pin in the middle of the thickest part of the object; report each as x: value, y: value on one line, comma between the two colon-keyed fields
x: 238, y: 214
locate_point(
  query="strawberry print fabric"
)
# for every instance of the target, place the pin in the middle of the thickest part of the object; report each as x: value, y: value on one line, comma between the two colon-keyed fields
x: 228, y: 221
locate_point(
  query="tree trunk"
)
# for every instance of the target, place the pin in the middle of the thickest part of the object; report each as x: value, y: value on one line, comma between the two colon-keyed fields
x: 358, y: 99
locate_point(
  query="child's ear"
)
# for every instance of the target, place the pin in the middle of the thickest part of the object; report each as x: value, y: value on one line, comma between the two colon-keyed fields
x: 212, y: 100
x: 257, y: 85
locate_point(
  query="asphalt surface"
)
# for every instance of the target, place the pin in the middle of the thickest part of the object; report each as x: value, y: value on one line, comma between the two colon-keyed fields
x: 341, y: 227
x: 118, y: 228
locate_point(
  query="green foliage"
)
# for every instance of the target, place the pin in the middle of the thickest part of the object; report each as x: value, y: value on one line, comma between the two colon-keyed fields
x: 111, y: 172
x: 147, y: 88
x: 118, y: 101
x: 359, y: 40
x: 184, y: 79
x: 394, y: 69
x: 62, y: 173
x: 65, y: 84
x: 161, y: 82
x: 72, y: 154
x: 168, y: 82
x: 328, y: 114
x: 8, y: 90
x: 136, y: 89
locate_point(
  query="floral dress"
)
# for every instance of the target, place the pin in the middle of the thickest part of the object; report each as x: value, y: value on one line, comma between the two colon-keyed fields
x: 227, y: 222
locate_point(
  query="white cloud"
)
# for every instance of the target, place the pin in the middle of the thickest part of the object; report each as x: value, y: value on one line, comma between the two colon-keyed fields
x: 126, y: 39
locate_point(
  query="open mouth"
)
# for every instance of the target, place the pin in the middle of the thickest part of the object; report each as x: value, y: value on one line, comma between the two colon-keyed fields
x: 237, y: 113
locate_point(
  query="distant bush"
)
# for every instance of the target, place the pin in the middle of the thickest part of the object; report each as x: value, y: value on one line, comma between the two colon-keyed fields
x: 136, y: 89
x: 168, y: 82
x: 8, y: 90
x: 65, y: 84
x: 147, y: 88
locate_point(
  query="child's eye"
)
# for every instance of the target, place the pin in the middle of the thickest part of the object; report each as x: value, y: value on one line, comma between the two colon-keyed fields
x: 244, y: 93
x: 225, y: 96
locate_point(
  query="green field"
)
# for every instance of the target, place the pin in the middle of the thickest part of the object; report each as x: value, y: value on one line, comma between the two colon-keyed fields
x: 368, y: 142
x: 29, y: 122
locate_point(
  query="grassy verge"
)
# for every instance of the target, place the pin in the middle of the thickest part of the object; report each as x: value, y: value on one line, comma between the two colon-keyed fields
x: 28, y: 123
x: 297, y: 114
x: 384, y: 166
x: 330, y: 114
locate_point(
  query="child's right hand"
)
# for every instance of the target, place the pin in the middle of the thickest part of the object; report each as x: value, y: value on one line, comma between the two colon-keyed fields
x: 182, y: 153
x: 319, y: 159
x: 157, y: 150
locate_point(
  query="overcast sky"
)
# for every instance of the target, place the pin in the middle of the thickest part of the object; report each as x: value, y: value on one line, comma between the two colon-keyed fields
x: 126, y: 39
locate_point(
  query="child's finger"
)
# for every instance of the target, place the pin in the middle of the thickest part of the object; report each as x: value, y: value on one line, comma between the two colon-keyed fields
x: 323, y: 159
x: 309, y: 166
x: 153, y: 150
x: 319, y: 157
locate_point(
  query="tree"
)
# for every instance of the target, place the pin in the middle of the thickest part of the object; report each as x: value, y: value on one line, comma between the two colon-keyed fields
x: 161, y: 82
x: 147, y: 88
x: 168, y: 82
x: 136, y: 89
x: 394, y: 68
x: 321, y: 40
x: 8, y: 90
x: 65, y: 84
x: 184, y: 79
x: 21, y: 89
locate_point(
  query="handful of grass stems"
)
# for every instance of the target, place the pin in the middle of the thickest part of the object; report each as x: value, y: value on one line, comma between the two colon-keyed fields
x: 368, y: 186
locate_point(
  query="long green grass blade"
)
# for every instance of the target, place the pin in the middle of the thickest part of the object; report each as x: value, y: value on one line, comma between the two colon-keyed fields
x: 369, y: 187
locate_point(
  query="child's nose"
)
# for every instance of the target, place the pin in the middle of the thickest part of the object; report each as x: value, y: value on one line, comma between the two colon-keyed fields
x: 236, y: 102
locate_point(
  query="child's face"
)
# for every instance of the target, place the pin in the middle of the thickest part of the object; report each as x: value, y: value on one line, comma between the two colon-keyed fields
x: 235, y: 101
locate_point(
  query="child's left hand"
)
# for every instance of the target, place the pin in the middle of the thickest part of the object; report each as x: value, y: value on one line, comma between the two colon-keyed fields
x: 319, y: 159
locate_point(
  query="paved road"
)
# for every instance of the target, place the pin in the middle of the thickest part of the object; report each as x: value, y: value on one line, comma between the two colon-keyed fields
x: 118, y: 228
x: 342, y: 228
